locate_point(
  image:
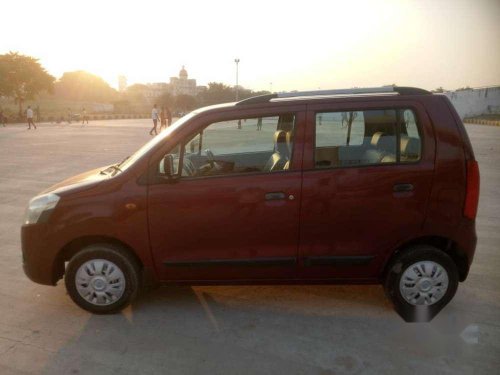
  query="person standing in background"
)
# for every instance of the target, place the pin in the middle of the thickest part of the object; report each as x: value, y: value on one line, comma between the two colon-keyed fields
x: 29, y: 116
x: 169, y: 116
x: 84, y: 116
x: 154, y: 117
x: 163, y: 118
x: 2, y: 118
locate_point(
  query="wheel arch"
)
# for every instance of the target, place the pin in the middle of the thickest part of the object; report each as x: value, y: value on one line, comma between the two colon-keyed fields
x: 74, y: 246
x: 447, y: 245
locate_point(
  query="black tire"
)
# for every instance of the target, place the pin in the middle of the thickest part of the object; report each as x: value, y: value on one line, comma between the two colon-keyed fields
x: 120, y: 258
x: 408, y: 311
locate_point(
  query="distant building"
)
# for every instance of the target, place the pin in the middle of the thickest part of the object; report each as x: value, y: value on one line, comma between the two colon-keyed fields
x: 122, y: 83
x: 178, y: 86
x: 182, y: 85
x: 154, y: 90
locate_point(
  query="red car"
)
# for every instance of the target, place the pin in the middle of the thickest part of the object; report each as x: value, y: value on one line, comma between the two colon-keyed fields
x: 342, y: 186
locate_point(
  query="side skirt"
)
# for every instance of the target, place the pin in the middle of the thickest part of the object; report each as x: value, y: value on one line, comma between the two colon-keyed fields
x: 249, y: 282
x: 338, y: 260
x: 252, y: 262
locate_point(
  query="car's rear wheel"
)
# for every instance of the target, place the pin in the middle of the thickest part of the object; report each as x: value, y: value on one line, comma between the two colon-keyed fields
x: 420, y: 281
x: 102, y: 278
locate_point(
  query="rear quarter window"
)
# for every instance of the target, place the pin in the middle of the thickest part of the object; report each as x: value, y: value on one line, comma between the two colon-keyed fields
x: 366, y: 137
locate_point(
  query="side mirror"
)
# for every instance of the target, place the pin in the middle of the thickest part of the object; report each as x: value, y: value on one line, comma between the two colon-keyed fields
x: 168, y: 165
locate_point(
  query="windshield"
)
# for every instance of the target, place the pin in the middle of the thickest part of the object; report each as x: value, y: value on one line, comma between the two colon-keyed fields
x: 156, y: 140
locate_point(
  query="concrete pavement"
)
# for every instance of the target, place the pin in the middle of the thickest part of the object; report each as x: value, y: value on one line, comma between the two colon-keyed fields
x: 243, y: 330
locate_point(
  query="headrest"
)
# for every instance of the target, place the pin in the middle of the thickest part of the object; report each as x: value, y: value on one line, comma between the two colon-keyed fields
x: 410, y: 147
x: 384, y: 142
x: 376, y: 138
x: 280, y: 136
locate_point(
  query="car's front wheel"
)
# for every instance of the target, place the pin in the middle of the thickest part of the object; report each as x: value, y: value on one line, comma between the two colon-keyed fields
x: 102, y: 278
x: 420, y: 282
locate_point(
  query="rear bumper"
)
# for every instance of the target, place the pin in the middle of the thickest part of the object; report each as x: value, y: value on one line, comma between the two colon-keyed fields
x: 38, y: 255
x: 466, y: 240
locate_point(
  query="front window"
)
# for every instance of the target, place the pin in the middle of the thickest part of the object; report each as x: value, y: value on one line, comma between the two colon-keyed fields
x: 258, y: 144
x: 155, y: 141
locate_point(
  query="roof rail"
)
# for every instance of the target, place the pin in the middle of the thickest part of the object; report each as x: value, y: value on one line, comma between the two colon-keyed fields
x: 355, y: 91
x: 258, y: 99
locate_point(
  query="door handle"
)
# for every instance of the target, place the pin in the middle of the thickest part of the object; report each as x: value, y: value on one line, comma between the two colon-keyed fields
x: 275, y: 196
x: 402, y: 188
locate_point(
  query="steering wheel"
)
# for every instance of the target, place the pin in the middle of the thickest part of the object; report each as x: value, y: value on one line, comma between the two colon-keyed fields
x: 210, y: 157
x: 188, y: 168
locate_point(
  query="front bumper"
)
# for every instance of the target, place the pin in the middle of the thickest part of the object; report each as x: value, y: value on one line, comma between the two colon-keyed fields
x: 38, y: 254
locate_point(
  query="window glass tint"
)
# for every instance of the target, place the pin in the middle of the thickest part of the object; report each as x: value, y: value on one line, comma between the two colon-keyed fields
x: 236, y: 136
x: 365, y: 137
x: 261, y: 144
x: 332, y: 128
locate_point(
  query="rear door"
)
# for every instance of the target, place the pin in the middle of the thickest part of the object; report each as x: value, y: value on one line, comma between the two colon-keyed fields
x: 368, y: 171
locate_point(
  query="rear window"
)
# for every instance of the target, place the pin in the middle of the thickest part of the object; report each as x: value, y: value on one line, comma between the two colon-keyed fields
x: 366, y: 137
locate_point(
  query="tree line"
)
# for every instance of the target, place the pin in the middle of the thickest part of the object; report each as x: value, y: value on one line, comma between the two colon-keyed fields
x: 23, y: 78
x: 215, y: 93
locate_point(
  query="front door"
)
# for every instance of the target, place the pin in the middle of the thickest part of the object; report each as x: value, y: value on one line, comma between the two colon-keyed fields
x: 231, y: 210
x: 368, y: 171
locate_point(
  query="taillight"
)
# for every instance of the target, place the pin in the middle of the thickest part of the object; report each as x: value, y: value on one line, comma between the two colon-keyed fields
x: 472, y: 193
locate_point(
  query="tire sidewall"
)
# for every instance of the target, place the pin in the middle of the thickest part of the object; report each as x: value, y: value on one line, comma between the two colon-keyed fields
x: 411, y: 256
x: 115, y: 255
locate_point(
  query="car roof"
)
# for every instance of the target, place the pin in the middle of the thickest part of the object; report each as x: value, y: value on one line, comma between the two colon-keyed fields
x: 303, y: 96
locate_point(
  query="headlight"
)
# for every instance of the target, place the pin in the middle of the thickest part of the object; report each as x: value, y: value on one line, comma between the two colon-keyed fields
x: 39, y: 208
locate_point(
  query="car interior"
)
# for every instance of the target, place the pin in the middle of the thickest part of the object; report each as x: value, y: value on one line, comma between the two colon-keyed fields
x: 272, y: 151
x: 378, y: 145
x: 198, y: 159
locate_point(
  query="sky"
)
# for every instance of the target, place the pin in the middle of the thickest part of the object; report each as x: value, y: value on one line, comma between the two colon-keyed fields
x: 282, y: 45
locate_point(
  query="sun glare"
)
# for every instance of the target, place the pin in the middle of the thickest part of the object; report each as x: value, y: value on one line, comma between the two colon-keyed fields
x: 283, y: 45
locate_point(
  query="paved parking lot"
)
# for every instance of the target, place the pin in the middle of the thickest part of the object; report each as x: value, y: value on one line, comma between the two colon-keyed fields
x: 233, y: 330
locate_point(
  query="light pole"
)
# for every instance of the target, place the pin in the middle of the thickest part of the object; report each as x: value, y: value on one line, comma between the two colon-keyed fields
x: 237, y: 61
x: 271, y: 87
